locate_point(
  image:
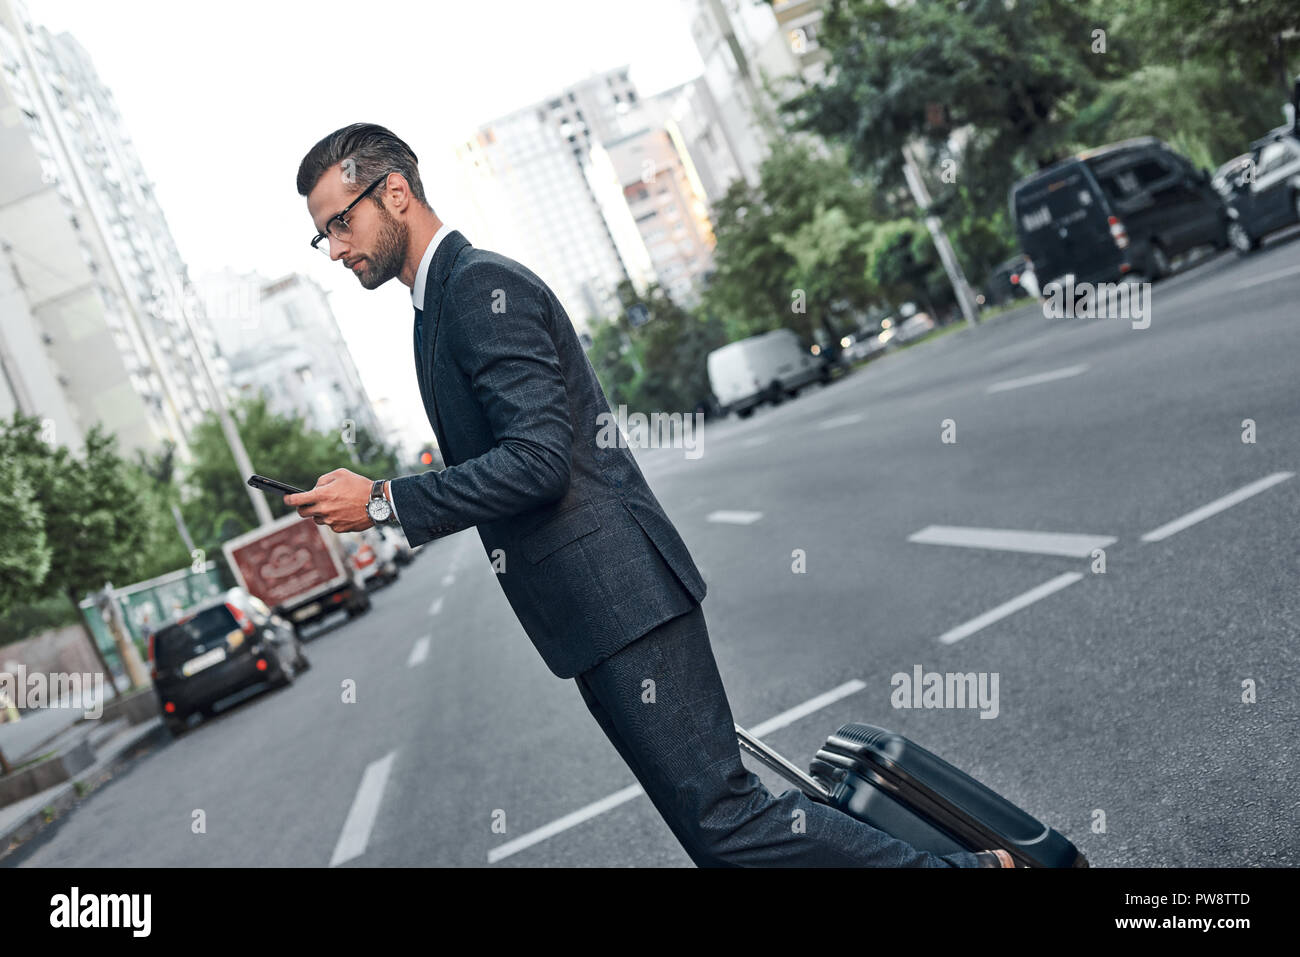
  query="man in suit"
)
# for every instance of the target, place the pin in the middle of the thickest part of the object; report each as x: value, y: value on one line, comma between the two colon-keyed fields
x: 596, y: 573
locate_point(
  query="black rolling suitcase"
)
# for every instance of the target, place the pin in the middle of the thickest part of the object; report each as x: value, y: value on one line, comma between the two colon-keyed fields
x: 899, y: 787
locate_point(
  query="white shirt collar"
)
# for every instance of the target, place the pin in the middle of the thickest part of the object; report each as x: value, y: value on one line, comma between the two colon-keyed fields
x: 417, y: 287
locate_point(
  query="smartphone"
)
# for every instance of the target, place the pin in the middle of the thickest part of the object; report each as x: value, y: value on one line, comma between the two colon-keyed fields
x: 271, y: 485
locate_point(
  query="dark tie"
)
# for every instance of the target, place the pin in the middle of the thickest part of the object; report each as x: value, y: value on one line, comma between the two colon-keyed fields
x: 419, y: 323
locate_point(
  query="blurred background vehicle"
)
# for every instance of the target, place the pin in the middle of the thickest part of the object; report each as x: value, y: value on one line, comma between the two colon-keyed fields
x: 1004, y: 282
x: 372, y: 556
x: 1262, y: 187
x: 297, y: 568
x: 1124, y: 207
x: 218, y: 648
x: 404, y: 553
x: 768, y: 367
x: 914, y: 328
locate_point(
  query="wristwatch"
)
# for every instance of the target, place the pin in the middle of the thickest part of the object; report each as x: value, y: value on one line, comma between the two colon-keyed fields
x: 378, y: 508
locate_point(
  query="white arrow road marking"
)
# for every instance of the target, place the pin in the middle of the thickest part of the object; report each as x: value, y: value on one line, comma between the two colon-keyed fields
x: 628, y: 793
x: 735, y: 518
x: 419, y: 652
x: 1010, y: 607
x: 365, y: 806
x: 1011, y: 540
x: 1042, y: 377
x: 1218, y: 505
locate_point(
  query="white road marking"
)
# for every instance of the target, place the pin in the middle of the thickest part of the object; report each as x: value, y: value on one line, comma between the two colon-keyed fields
x: 365, y: 806
x: 419, y: 653
x: 564, y: 823
x: 841, y: 420
x: 436, y: 606
x: 807, y: 708
x: 1042, y: 377
x: 1010, y: 607
x: 628, y: 793
x: 1218, y: 505
x: 735, y: 518
x: 756, y: 440
x: 448, y: 579
x: 1289, y: 271
x: 1011, y: 540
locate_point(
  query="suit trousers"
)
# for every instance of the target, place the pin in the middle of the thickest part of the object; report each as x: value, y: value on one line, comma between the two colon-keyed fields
x: 661, y: 703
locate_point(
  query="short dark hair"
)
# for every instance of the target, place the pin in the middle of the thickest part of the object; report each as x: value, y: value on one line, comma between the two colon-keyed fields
x: 372, y: 149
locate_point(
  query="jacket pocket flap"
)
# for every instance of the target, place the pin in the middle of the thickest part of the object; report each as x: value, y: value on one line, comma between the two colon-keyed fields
x: 564, y: 528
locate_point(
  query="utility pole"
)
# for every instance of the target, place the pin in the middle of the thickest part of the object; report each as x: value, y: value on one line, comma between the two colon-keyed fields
x: 912, y: 173
x: 256, y: 496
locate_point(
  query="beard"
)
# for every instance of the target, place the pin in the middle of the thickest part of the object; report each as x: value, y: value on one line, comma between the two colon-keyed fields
x: 389, y: 253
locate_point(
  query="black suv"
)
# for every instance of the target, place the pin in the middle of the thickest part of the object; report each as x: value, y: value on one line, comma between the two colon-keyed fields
x: 1119, y: 209
x: 217, y: 648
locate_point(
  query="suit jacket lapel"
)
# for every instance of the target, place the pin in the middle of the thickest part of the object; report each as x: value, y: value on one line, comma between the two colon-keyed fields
x: 444, y: 257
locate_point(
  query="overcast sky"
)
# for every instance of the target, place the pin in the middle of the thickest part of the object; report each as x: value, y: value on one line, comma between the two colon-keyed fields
x: 223, y: 99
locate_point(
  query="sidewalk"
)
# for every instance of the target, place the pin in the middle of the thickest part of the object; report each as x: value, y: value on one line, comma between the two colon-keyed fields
x: 115, y: 743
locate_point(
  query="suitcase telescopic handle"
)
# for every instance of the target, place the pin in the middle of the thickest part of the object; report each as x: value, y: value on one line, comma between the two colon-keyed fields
x: 781, y: 766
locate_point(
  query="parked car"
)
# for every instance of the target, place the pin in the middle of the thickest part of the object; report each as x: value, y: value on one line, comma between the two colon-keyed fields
x: 869, y: 342
x: 1123, y: 208
x: 404, y: 554
x: 1004, y: 282
x: 373, y: 557
x: 765, y: 368
x: 217, y: 648
x: 914, y: 328
x: 1263, y: 189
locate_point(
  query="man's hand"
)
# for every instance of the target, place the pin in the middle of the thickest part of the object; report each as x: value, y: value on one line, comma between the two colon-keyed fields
x: 338, y: 500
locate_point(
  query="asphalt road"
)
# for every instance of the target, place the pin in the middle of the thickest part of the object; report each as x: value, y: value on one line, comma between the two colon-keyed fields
x: 1120, y: 713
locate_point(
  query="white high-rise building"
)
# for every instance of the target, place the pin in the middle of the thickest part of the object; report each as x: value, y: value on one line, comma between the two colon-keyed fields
x: 529, y: 173
x: 745, y: 44
x: 281, y: 339
x: 97, y: 318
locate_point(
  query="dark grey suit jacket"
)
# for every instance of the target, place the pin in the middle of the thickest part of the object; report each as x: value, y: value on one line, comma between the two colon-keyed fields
x: 583, y: 550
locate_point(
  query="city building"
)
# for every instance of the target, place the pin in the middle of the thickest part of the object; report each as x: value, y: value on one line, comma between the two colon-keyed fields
x: 529, y: 173
x: 751, y: 52
x: 658, y: 184
x: 281, y: 339
x: 99, y: 320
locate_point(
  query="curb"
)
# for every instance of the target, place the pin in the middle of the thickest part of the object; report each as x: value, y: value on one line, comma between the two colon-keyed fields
x: 67, y: 797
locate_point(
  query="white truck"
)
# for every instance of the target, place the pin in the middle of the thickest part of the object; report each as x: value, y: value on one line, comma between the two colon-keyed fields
x: 763, y: 368
x: 299, y: 568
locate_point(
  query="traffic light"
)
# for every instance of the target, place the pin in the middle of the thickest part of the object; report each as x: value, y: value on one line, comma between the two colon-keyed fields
x: 426, y: 456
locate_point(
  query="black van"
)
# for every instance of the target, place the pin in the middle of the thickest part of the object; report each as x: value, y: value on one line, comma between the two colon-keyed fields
x: 1125, y: 208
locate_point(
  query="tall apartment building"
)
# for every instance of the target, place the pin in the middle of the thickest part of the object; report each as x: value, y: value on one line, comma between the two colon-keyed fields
x: 281, y: 339
x: 96, y: 310
x: 659, y: 185
x: 529, y: 170
x: 745, y: 44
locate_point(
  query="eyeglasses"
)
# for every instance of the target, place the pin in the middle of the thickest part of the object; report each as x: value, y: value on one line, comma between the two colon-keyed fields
x: 338, y: 226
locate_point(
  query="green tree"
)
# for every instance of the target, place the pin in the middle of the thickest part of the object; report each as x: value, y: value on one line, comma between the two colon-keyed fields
x: 903, y: 263
x: 672, y: 346
x: 799, y: 228
x: 25, y: 551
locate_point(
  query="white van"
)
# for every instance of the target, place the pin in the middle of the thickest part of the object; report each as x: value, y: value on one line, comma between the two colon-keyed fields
x: 763, y: 368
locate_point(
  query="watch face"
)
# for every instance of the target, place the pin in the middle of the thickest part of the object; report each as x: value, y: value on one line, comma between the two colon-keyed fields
x: 380, y: 509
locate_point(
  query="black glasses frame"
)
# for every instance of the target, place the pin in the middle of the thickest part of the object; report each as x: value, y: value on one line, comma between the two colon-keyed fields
x: 339, y: 216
